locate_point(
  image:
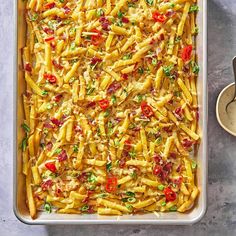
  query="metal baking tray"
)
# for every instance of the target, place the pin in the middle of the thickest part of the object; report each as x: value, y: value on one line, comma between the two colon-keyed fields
x: 174, y: 218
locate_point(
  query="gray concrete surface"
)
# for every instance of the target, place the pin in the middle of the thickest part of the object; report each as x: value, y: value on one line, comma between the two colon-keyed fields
x: 221, y: 215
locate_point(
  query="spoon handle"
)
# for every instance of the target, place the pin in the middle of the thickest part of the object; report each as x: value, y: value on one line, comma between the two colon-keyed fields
x: 234, y: 69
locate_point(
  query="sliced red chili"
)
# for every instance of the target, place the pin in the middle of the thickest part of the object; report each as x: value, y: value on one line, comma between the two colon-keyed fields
x: 56, y: 122
x: 157, y: 158
x: 48, y: 30
x: 96, y: 39
x: 187, y: 52
x: 51, y: 166
x: 158, y: 17
x: 157, y: 170
x: 49, y: 5
x: 57, y: 98
x: 104, y: 104
x: 62, y: 156
x: 187, y: 143
x: 28, y: 67
x: 169, y: 194
x: 46, y: 184
x: 52, y: 79
x: 146, y: 109
x: 111, y: 184
x: 49, y: 39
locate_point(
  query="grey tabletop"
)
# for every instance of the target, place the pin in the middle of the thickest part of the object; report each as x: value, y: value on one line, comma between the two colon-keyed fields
x: 220, y: 218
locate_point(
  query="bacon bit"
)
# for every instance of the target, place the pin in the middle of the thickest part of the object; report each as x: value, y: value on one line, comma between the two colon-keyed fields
x: 136, y: 129
x: 95, y: 60
x: 48, y: 30
x: 49, y: 39
x: 49, y: 146
x: 157, y: 170
x: 78, y: 129
x: 53, y: 45
x: 56, y: 122
x: 28, y: 67
x: 157, y: 158
x: 186, y: 68
x: 104, y: 23
x: 91, y: 104
x: 51, y: 166
x: 122, y: 162
x: 57, y: 65
x: 167, y: 129
x: 153, y: 41
x: 57, y: 98
x: 173, y: 155
x: 178, y: 169
x: 178, y: 112
x: 67, y: 10
x: 197, y: 114
x: 113, y: 87
x: 127, y: 145
x: 178, y: 181
x: 86, y: 199
x: 125, y: 20
x: 124, y: 76
x: 162, y: 37
x: 58, y: 192
x: 187, y: 143
x: 49, y: 5
x: 90, y: 210
x: 171, y: 102
x: 47, y: 125
x: 62, y: 156
x: 83, y: 177
x: 169, y: 13
x: 167, y: 167
x: 46, y: 184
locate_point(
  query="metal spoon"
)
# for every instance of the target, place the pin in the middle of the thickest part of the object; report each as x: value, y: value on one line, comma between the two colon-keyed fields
x: 234, y: 69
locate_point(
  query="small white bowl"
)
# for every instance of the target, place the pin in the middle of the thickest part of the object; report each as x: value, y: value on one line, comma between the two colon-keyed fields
x: 227, y: 120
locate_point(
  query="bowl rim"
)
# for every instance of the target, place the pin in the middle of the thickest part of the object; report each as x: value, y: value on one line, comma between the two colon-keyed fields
x: 218, y: 111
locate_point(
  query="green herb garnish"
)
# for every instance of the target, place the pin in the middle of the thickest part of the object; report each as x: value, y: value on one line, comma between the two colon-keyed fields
x: 25, y: 127
x: 108, y: 166
x: 160, y: 187
x: 75, y: 148
x: 149, y: 2
x: 58, y: 151
x: 113, y: 99
x: 84, y: 208
x: 193, y: 8
x: 195, y: 68
x: 47, y: 207
x: 167, y: 70
x: 130, y: 194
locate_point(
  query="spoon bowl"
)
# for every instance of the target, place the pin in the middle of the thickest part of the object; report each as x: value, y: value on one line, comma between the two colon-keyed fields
x: 227, y: 118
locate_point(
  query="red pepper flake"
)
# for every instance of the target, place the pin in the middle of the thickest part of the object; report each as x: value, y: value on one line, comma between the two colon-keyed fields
x: 96, y: 39
x: 91, y: 104
x: 113, y: 87
x: 49, y: 5
x: 67, y: 10
x: 49, y: 39
x: 52, y: 79
x: 28, y: 67
x: 173, y: 155
x: 125, y: 20
x: 104, y: 104
x: 104, y: 23
x: 62, y: 156
x: 45, y: 185
x: 162, y: 37
x: 48, y: 30
x: 169, y: 194
x: 51, y: 166
x: 111, y: 184
x: 49, y: 146
x: 146, y: 109
x: 178, y: 181
x: 187, y: 52
x: 56, y: 122
x: 57, y: 98
x: 57, y: 65
x: 158, y: 17
x: 82, y: 177
x: 122, y: 162
x: 95, y: 60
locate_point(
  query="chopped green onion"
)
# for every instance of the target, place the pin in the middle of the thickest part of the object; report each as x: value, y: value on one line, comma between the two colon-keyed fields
x: 177, y: 39
x: 124, y: 199
x: 25, y: 127
x: 173, y: 208
x: 61, y: 1
x: 100, y: 12
x: 158, y: 140
x: 24, y: 143
x: 120, y: 14
x: 72, y: 46
x: 34, y: 17
x: 149, y: 2
x: 163, y: 203
x: 140, y: 70
x: 102, y: 195
x: 90, y: 90
x: 84, y: 208
x: 106, y: 113
x: 44, y: 93
x: 47, y: 207
x: 161, y: 187
x: 167, y: 70
x: 108, y: 166
x: 126, y: 57
x: 92, y: 178
x: 195, y: 68
x: 130, y: 194
x: 75, y: 148
x: 133, y: 175
x: 132, y: 154
x: 129, y: 207
x: 58, y: 151
x: 113, y: 99
x: 194, y: 165
x: 196, y: 30
x: 193, y: 8
x: 131, y: 199
x: 131, y: 4
x: 154, y: 61
x: 172, y: 5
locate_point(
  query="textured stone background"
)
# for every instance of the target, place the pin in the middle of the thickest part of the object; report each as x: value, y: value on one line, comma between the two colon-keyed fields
x: 221, y: 215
